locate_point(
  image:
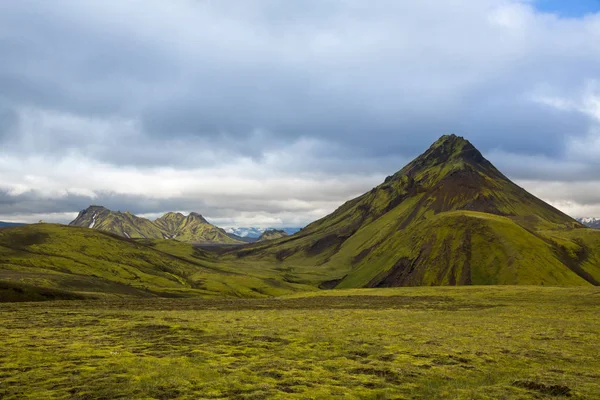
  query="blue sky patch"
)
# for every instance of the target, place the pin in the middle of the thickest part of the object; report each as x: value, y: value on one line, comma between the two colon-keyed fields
x: 569, y: 8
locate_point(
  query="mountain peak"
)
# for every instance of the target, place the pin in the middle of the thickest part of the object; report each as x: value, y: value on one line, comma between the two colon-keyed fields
x: 172, y: 214
x: 95, y: 207
x: 450, y: 138
x: 195, y: 215
x: 449, y: 152
x: 91, y: 210
x: 452, y: 147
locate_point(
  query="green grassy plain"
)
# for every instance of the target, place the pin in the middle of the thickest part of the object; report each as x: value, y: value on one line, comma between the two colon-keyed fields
x: 493, y: 342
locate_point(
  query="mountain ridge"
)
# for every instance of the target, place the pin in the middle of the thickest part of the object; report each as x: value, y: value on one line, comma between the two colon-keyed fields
x: 590, y: 222
x: 254, y: 232
x: 193, y: 228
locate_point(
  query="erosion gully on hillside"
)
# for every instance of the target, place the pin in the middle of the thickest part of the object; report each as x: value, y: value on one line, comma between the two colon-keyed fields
x: 406, y: 343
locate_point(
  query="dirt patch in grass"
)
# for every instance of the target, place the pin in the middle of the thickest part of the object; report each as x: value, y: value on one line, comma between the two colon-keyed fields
x: 18, y: 292
x: 552, y: 390
x: 19, y: 238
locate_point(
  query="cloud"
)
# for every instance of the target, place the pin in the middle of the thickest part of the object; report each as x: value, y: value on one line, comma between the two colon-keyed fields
x: 270, y: 111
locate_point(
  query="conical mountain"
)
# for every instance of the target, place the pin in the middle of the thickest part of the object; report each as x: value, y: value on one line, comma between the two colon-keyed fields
x: 192, y: 228
x: 449, y: 217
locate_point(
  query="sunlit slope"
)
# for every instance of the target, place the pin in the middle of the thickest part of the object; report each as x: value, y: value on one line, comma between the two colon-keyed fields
x: 464, y: 248
x: 94, y: 263
x: 448, y: 218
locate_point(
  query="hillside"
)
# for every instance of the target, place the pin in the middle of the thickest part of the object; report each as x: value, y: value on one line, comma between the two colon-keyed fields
x: 271, y: 234
x: 191, y: 229
x: 47, y: 261
x: 449, y: 217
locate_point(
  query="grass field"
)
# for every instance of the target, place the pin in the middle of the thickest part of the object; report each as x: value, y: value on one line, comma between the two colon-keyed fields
x: 405, y: 343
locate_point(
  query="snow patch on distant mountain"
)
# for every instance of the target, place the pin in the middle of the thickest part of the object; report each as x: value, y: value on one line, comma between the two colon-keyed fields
x: 590, y: 222
x: 245, y: 232
x: 93, y: 221
x: 254, y: 232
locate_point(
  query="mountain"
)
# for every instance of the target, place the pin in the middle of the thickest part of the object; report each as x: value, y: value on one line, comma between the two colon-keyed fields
x: 9, y: 224
x: 123, y: 224
x: 246, y: 232
x: 271, y: 234
x: 192, y: 228
x: 449, y: 217
x: 590, y: 222
x: 255, y: 233
x: 49, y: 262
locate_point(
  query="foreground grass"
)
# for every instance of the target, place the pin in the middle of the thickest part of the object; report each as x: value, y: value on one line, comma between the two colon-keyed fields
x: 466, y: 343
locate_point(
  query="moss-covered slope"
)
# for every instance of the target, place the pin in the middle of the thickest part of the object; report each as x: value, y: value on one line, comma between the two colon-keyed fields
x: 47, y: 261
x: 271, y: 234
x: 447, y: 218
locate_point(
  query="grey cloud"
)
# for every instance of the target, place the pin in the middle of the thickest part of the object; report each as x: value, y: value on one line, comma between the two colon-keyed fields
x: 215, y: 207
x: 279, y: 79
x: 189, y: 84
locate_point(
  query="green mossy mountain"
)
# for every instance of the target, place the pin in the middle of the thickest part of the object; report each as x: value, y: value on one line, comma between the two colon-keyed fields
x: 271, y: 234
x: 449, y: 217
x: 192, y: 228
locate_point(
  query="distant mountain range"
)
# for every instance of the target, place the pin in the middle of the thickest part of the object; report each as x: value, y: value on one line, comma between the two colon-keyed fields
x: 192, y: 228
x: 255, y: 233
x: 8, y: 224
x: 590, y: 222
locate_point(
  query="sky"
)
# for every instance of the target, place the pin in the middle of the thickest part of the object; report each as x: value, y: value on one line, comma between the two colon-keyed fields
x: 568, y: 8
x: 271, y: 113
